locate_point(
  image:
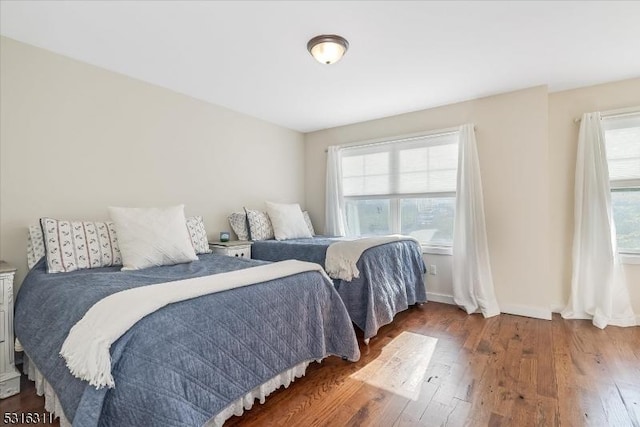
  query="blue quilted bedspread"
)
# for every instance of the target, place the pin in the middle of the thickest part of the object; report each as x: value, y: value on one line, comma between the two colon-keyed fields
x: 391, y: 276
x: 187, y: 361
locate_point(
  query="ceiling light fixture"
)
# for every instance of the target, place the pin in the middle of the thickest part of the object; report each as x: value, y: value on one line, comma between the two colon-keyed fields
x: 327, y: 48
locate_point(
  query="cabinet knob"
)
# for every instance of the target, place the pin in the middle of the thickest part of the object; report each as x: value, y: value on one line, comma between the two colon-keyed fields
x: 242, y: 254
x: 236, y: 255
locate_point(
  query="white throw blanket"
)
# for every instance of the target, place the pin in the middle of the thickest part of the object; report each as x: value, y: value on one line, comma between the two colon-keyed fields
x: 342, y: 257
x: 86, y: 349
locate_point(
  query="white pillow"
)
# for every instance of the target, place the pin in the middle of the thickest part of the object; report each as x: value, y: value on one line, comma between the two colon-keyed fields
x: 288, y: 221
x: 152, y: 236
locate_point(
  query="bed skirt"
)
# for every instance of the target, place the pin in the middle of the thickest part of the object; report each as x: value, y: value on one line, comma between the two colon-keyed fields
x: 52, y: 404
x: 261, y: 392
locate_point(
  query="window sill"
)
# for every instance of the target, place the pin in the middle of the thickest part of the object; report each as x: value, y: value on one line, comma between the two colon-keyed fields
x: 629, y: 258
x: 437, y: 250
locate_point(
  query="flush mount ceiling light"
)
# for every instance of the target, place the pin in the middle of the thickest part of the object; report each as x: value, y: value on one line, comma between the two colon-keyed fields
x: 327, y: 48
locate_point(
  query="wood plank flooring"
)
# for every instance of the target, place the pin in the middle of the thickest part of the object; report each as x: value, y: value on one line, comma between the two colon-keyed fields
x: 437, y: 366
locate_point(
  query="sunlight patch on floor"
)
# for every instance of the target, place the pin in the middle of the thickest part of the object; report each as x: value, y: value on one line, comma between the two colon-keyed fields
x: 402, y: 365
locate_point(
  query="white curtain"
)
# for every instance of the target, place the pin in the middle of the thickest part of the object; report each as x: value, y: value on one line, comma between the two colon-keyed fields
x: 334, y: 203
x: 472, y: 279
x: 598, y: 288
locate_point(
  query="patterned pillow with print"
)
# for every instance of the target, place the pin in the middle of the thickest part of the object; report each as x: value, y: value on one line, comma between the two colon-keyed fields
x: 260, y: 227
x: 307, y: 219
x: 76, y: 245
x: 239, y: 225
x: 198, y: 235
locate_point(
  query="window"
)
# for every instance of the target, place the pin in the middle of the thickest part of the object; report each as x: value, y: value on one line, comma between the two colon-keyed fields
x: 622, y: 140
x: 405, y: 186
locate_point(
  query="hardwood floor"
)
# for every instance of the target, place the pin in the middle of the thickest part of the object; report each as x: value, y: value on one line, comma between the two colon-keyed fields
x: 437, y: 366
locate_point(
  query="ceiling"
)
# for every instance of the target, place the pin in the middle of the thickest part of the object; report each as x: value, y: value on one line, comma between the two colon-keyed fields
x: 251, y: 57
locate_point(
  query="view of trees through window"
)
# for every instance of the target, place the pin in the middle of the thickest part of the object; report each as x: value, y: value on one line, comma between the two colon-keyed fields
x: 368, y: 217
x: 428, y: 219
x: 622, y: 140
x: 626, y: 214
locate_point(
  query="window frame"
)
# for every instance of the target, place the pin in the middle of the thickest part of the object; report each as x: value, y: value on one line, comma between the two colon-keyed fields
x: 627, y: 255
x: 395, y: 198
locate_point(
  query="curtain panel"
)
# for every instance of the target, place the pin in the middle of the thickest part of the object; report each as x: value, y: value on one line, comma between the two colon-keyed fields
x: 334, y: 201
x: 598, y: 286
x: 472, y: 279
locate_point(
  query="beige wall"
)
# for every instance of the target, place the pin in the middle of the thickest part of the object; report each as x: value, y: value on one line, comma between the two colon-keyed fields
x: 564, y: 107
x: 512, y: 134
x: 527, y: 146
x: 76, y: 139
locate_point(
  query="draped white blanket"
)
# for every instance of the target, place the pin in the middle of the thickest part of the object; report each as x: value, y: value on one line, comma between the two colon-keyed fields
x: 86, y: 349
x: 341, y: 258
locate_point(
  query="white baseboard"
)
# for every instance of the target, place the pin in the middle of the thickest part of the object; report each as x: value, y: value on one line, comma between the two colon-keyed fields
x: 521, y: 310
x: 445, y: 299
x: 518, y: 310
x: 559, y: 310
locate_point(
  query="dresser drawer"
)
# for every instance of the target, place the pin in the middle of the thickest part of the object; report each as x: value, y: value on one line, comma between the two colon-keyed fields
x: 9, y: 376
x: 2, y: 325
x: 233, y: 251
x: 242, y: 252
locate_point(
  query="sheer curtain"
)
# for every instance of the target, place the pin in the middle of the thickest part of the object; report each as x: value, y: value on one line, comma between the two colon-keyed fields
x: 472, y: 279
x: 334, y: 202
x: 598, y: 288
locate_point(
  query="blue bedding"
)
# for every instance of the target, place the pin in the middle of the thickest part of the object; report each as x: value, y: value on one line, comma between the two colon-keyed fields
x: 186, y: 362
x: 391, y: 277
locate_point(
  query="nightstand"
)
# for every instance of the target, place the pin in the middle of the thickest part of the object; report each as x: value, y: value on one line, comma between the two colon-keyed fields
x: 233, y: 248
x: 9, y: 376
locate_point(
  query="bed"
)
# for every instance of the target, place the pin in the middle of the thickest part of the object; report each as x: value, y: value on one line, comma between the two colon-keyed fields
x: 192, y: 363
x: 391, y: 276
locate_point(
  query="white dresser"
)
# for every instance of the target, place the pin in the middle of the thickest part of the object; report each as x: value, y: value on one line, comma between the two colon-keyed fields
x: 233, y: 248
x: 9, y: 376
